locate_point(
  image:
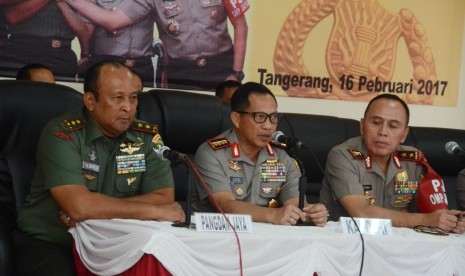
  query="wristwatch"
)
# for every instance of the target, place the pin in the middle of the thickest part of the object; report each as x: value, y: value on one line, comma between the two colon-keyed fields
x: 239, y: 75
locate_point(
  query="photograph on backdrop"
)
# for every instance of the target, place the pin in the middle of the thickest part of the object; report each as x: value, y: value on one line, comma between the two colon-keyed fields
x: 332, y: 49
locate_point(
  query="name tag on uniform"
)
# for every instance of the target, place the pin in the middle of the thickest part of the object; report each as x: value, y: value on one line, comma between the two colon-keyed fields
x: 90, y: 166
x: 215, y: 222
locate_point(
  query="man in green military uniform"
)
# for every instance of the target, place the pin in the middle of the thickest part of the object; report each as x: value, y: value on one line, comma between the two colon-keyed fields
x: 94, y: 163
x: 373, y: 176
x: 248, y: 175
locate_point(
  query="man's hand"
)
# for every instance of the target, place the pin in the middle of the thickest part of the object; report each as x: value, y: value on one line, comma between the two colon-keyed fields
x: 460, y: 227
x: 172, y: 212
x: 287, y: 215
x: 444, y: 219
x: 316, y: 214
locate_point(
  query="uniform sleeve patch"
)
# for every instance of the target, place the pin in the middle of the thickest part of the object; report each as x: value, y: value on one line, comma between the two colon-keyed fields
x: 63, y: 135
x: 356, y: 154
x: 414, y: 156
x: 74, y: 124
x: 218, y: 143
x: 145, y: 127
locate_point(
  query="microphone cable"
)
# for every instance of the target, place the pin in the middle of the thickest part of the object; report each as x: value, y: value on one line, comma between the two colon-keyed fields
x: 217, y: 207
x: 291, y: 129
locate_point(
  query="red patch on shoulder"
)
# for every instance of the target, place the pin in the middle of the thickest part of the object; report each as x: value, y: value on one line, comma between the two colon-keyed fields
x: 63, y: 135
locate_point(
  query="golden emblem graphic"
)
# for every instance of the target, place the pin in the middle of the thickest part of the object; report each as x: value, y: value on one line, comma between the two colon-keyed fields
x: 361, y: 52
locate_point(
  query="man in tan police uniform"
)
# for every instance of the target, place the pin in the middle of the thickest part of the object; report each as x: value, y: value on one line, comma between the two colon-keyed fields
x: 245, y: 173
x: 373, y: 176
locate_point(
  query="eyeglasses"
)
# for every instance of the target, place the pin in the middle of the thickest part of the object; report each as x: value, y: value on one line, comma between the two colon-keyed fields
x: 260, y: 117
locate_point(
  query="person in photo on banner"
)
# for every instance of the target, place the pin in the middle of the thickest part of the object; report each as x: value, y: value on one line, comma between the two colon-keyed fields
x: 245, y: 172
x: 374, y: 176
x: 97, y: 162
x: 133, y: 46
x: 40, y: 31
x: 199, y: 50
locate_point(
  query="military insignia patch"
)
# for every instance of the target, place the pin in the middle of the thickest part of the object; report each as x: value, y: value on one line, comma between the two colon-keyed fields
x: 63, y: 135
x: 145, y: 127
x: 74, y: 124
x: 409, y: 155
x: 356, y: 154
x: 218, y: 143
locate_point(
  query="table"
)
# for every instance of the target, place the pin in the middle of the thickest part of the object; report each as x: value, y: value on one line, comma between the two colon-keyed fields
x: 110, y: 247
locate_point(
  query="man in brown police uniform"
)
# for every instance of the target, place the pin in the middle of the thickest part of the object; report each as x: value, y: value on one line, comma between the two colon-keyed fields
x: 248, y: 175
x: 373, y: 176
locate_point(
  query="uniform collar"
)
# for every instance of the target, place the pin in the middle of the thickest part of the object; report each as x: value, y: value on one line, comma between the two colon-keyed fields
x: 263, y: 154
x: 94, y: 132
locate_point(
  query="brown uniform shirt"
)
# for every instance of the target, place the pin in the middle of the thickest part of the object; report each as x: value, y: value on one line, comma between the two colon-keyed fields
x: 349, y: 171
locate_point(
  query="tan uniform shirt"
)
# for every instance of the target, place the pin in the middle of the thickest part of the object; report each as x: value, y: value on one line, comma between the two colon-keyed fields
x: 349, y: 171
x: 130, y: 42
x: 271, y: 181
x: 203, y: 29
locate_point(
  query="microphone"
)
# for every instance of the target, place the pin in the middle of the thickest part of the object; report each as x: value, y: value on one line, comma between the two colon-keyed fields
x: 453, y: 148
x: 165, y: 153
x: 279, y: 137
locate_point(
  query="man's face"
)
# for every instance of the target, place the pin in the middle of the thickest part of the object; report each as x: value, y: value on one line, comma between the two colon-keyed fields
x: 384, y: 128
x: 253, y: 135
x: 115, y: 109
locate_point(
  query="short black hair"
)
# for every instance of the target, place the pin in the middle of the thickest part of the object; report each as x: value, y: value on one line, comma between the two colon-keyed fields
x: 220, y: 88
x: 240, y: 99
x: 24, y: 73
x: 92, y: 79
x: 390, y: 97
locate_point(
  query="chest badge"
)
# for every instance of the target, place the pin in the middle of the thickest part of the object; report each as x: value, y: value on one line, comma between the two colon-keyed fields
x: 234, y: 165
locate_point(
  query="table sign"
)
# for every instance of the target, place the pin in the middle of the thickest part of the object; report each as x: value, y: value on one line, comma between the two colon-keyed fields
x: 378, y: 227
x: 215, y: 222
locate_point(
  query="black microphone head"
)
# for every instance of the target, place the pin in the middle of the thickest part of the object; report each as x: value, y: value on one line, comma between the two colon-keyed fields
x: 451, y: 147
x: 278, y: 137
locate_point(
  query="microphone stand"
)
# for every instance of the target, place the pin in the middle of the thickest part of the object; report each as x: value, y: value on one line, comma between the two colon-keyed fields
x: 291, y: 151
x: 187, y: 222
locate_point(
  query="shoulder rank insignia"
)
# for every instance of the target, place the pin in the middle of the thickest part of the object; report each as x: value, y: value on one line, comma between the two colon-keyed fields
x: 409, y: 155
x: 74, y: 124
x: 356, y: 154
x: 145, y: 127
x: 218, y: 143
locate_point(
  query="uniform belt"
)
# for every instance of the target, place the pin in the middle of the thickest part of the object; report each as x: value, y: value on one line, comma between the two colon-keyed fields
x: 128, y: 62
x: 52, y: 42
x: 201, y: 61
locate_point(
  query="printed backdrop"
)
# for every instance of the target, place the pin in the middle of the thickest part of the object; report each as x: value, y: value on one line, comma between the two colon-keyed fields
x: 344, y: 49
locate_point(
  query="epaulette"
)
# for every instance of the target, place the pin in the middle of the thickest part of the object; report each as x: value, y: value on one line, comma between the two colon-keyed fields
x: 413, y: 155
x: 74, y: 124
x: 145, y: 127
x: 356, y: 154
x: 218, y: 143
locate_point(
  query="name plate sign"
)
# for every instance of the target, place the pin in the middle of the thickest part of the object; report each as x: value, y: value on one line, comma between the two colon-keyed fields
x: 378, y: 227
x: 215, y: 222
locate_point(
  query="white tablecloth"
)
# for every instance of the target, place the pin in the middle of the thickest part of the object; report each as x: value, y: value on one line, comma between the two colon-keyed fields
x: 110, y: 247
